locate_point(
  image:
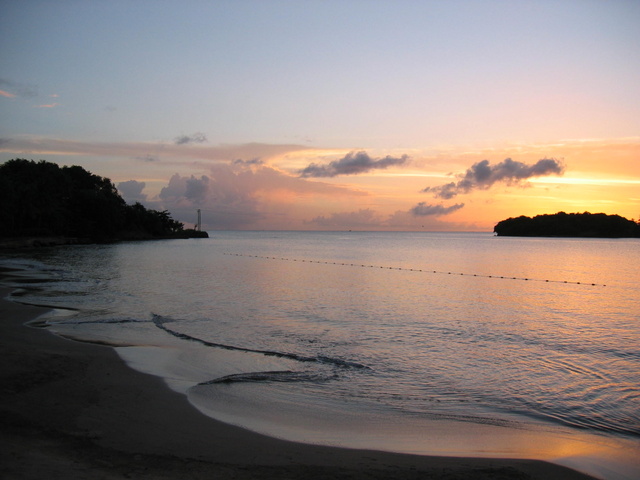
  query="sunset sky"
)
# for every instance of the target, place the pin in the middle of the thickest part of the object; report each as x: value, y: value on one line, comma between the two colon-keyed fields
x: 331, y: 115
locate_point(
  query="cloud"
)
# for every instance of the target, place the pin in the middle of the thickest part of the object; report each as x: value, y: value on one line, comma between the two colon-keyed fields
x: 482, y: 176
x: 147, y: 158
x: 424, y: 209
x: 186, y: 139
x: 245, y: 195
x: 6, y: 94
x: 363, y: 218
x: 403, y: 220
x: 353, y: 163
x: 197, y: 188
x: 255, y: 161
x: 47, y: 105
x: 22, y: 90
x: 367, y: 219
x: 225, y: 201
x: 140, y: 150
x: 190, y: 188
x: 131, y: 191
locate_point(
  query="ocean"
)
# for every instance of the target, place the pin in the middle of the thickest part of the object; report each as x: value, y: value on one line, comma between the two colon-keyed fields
x: 432, y: 343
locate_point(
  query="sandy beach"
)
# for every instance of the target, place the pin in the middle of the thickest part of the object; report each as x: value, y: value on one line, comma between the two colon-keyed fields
x: 74, y: 410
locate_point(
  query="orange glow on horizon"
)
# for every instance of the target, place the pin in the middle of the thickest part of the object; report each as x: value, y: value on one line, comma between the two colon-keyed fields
x: 599, y: 176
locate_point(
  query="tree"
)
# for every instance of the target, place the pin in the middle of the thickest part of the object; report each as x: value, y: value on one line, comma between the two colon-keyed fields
x: 43, y: 199
x: 564, y: 224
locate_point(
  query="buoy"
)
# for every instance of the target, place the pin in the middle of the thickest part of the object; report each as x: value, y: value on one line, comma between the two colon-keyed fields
x: 409, y: 269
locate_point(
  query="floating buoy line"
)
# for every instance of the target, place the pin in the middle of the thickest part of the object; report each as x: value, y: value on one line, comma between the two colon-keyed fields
x: 423, y: 270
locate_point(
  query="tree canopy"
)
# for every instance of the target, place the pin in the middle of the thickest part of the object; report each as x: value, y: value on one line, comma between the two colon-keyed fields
x: 564, y: 224
x: 43, y: 199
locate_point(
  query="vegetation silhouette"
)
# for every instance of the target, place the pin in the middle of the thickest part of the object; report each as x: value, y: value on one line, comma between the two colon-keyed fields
x: 564, y: 224
x: 42, y: 199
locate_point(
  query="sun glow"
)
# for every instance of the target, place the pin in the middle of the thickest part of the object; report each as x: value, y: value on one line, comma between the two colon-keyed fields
x: 586, y: 181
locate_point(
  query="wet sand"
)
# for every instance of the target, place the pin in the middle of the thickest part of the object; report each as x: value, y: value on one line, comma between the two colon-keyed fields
x: 73, y: 410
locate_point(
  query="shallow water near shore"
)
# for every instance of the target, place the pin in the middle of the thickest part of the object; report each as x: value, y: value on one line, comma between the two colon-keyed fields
x: 432, y: 343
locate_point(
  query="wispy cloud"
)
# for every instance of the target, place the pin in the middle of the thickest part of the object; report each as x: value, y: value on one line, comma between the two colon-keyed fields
x: 482, y: 175
x: 147, y: 158
x: 424, y: 209
x: 369, y: 219
x: 254, y: 161
x: 47, y: 105
x: 17, y: 89
x: 197, y: 137
x: 140, y: 150
x: 352, y: 164
x: 6, y: 94
x: 363, y: 218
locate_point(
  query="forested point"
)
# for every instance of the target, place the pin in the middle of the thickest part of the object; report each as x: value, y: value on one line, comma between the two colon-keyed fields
x: 42, y: 199
x: 569, y: 225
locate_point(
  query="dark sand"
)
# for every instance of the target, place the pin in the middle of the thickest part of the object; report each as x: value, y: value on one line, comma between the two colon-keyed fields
x: 71, y: 410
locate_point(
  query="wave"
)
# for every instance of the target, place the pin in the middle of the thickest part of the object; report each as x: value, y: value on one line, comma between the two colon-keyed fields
x: 269, y: 376
x: 102, y: 321
x: 160, y: 321
x: 45, y: 305
x: 589, y: 418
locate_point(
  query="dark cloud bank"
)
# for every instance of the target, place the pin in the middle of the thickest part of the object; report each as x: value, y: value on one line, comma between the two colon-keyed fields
x: 352, y: 164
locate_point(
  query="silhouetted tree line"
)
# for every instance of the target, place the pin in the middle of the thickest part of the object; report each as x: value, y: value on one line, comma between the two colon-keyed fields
x: 40, y: 199
x: 569, y: 225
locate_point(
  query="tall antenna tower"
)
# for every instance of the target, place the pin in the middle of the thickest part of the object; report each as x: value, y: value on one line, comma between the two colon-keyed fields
x: 199, y: 224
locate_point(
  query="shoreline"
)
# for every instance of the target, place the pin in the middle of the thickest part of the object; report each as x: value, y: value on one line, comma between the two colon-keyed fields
x: 75, y: 409
x: 28, y: 243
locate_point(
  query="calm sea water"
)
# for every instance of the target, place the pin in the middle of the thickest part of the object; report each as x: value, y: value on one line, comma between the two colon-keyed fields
x: 441, y: 343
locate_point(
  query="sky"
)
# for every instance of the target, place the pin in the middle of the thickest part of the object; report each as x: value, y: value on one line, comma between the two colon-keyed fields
x: 404, y: 115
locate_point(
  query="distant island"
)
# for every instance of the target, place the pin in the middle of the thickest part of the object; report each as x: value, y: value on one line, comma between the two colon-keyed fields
x: 43, y: 203
x: 564, y: 224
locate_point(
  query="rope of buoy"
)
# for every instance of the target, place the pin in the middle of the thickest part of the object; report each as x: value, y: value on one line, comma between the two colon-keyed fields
x: 502, y: 277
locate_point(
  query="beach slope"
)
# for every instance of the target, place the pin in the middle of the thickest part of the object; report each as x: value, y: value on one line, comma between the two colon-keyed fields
x: 74, y: 410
